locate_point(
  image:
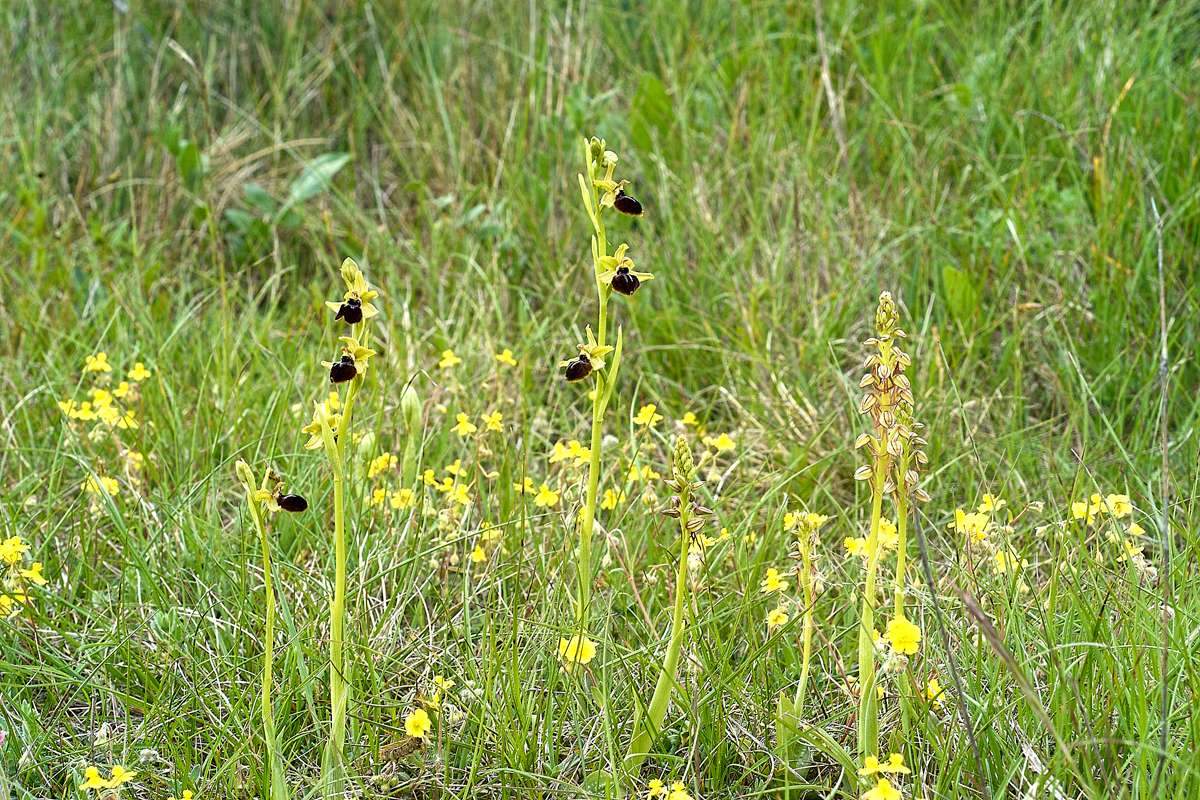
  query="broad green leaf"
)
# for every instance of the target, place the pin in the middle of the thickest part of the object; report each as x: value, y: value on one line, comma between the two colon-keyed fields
x: 316, y: 177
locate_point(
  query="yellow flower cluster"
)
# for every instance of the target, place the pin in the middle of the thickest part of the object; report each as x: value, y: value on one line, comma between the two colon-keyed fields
x: 119, y: 776
x: 16, y: 575
x: 113, y: 409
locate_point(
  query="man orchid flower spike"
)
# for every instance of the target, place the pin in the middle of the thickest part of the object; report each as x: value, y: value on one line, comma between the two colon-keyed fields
x: 332, y: 430
x: 597, y: 359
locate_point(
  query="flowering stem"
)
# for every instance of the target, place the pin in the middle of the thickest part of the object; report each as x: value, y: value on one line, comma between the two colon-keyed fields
x: 645, y: 728
x: 807, y: 636
x: 901, y: 540
x: 276, y: 787
x: 333, y: 769
x: 868, y: 722
x: 587, y: 520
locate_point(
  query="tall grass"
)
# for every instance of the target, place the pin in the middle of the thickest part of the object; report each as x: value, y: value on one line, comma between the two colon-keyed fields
x: 177, y: 185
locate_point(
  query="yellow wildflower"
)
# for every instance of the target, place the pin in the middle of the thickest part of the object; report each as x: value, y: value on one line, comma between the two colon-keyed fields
x: 449, y: 360
x: 402, y: 499
x: 94, y: 486
x: 579, y: 649
x: 139, y: 373
x: 464, y: 426
x: 492, y: 421
x: 883, y: 791
x: 97, y: 363
x: 773, y: 582
x: 546, y: 497
x: 689, y: 419
x: 894, y: 766
x: 647, y: 416
x: 1118, y: 505
x: 505, y: 357
x: 904, y: 637
x: 417, y: 723
x: 776, y: 617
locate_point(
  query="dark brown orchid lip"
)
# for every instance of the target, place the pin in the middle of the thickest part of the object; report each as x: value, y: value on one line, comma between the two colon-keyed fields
x: 627, y: 204
x: 625, y: 282
x: 292, y: 502
x: 350, y: 311
x: 342, y: 370
x: 578, y: 368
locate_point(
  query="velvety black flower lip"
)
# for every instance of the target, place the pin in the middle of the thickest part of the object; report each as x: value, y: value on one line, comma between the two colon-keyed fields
x: 292, y: 502
x: 627, y: 204
x: 578, y: 368
x: 625, y: 282
x: 342, y: 370
x: 350, y: 311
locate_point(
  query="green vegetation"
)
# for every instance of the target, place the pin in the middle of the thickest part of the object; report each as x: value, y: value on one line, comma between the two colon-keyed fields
x: 182, y: 183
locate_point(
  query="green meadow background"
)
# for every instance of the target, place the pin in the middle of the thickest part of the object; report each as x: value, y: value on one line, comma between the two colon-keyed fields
x: 181, y: 180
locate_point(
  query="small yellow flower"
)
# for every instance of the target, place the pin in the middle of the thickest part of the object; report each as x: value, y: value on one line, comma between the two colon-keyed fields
x: 612, y: 499
x: 855, y: 546
x: 505, y: 357
x: 773, y: 582
x: 1118, y: 505
x: 893, y: 766
x: 417, y: 723
x: 100, y: 397
x: 460, y: 495
x: 1136, y: 530
x: 108, y: 485
x: 445, y: 684
x: 97, y: 363
x: 120, y: 776
x: 525, y: 488
x: 776, y: 617
x: 647, y: 416
x: 381, y: 463
x: 579, y: 649
x: 971, y: 524
x: 655, y: 789
x: 888, y: 538
x: 492, y: 421
x: 883, y: 791
x: 187, y: 795
x: 478, y: 555
x: 546, y: 497
x: 689, y: 419
x: 904, y: 637
x: 934, y: 693
x: 990, y: 503
x: 122, y: 391
x: 34, y: 574
x: 92, y: 779
x: 402, y: 499
x: 12, y: 549
x: 722, y: 444
x: 139, y: 373
x: 1081, y: 510
x: 378, y: 496
x: 464, y: 427
x: 678, y: 792
x: 455, y: 468
x: 449, y: 360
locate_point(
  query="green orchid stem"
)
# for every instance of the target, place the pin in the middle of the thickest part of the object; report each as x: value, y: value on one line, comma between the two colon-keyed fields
x: 647, y: 727
x: 276, y: 786
x: 868, y: 704
x: 901, y: 541
x: 583, y: 596
x: 333, y: 767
